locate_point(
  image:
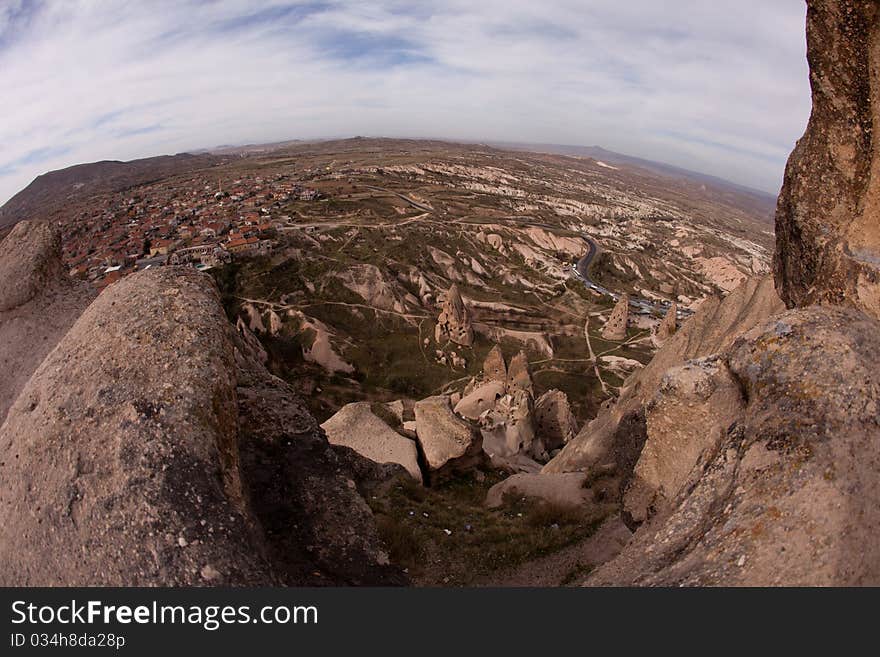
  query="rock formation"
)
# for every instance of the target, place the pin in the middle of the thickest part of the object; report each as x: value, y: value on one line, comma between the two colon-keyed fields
x: 789, y: 492
x: 508, y: 429
x: 615, y: 327
x: 482, y: 398
x: 667, y: 325
x: 518, y: 375
x: 828, y: 214
x: 567, y: 489
x: 167, y: 455
x: 356, y: 426
x: 694, y: 406
x: 454, y: 322
x: 449, y: 443
x: 554, y: 421
x: 494, y: 367
x: 713, y: 328
x: 38, y: 303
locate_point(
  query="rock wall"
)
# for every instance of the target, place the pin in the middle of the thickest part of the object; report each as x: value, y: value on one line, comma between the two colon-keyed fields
x: 788, y: 493
x: 828, y: 214
x: 713, y: 328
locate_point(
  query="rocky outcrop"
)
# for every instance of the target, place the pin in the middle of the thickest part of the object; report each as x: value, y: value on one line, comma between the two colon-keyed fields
x: 494, y: 367
x: 39, y: 302
x: 483, y: 398
x: 356, y: 426
x: 788, y: 493
x: 696, y: 403
x: 554, y: 421
x: 369, y: 283
x: 449, y: 443
x: 667, y: 325
x: 519, y: 377
x: 828, y: 214
x: 508, y: 429
x: 454, y: 322
x: 152, y: 448
x: 615, y: 327
x: 713, y: 328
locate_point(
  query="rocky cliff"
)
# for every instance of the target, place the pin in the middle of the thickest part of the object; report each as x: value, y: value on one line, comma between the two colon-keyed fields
x: 828, y: 216
x: 715, y: 326
x: 151, y: 447
x: 761, y: 461
x: 781, y: 485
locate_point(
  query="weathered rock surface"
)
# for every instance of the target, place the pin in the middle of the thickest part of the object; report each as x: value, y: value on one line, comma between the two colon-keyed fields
x: 454, y: 322
x: 828, y: 214
x: 554, y: 421
x: 667, y: 326
x: 615, y: 327
x: 483, y: 398
x: 356, y: 426
x: 449, y: 443
x: 566, y: 489
x: 696, y: 404
x: 508, y: 428
x: 518, y: 375
x: 494, y: 367
x: 39, y: 302
x: 151, y: 448
x: 713, y: 328
x: 790, y: 492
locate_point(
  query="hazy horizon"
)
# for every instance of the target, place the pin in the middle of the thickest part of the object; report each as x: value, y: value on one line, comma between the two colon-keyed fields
x: 720, y: 91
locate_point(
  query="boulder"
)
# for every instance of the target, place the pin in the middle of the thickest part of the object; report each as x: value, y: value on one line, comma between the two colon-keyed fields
x: 828, y: 214
x: 567, y: 489
x: 615, y: 327
x: 356, y: 426
x: 454, y: 322
x: 555, y: 424
x: 449, y: 443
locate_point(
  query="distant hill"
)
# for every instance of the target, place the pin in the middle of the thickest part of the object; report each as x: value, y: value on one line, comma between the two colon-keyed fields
x: 51, y: 190
x: 741, y: 195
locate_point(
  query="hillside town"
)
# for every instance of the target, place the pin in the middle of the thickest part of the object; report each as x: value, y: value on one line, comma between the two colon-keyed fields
x: 199, y: 222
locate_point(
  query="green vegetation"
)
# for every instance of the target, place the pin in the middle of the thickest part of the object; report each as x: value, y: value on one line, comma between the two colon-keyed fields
x: 413, y: 522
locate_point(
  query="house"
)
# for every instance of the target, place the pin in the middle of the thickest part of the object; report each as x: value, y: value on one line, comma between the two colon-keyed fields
x: 160, y: 247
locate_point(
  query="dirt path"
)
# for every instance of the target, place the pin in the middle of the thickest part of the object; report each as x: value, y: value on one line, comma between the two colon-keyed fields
x: 569, y: 566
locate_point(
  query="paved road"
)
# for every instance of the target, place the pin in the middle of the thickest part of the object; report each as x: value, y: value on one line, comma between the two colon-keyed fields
x: 581, y: 270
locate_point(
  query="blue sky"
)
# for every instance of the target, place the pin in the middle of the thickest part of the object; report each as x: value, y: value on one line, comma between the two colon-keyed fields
x: 719, y: 87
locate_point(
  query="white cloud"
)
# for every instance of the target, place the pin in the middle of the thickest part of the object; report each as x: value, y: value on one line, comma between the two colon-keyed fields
x: 720, y: 87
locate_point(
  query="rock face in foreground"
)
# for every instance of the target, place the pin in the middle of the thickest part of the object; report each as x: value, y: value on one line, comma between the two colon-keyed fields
x: 152, y: 448
x: 696, y: 403
x: 828, y: 215
x: 789, y: 492
x: 38, y: 303
x: 616, y: 435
